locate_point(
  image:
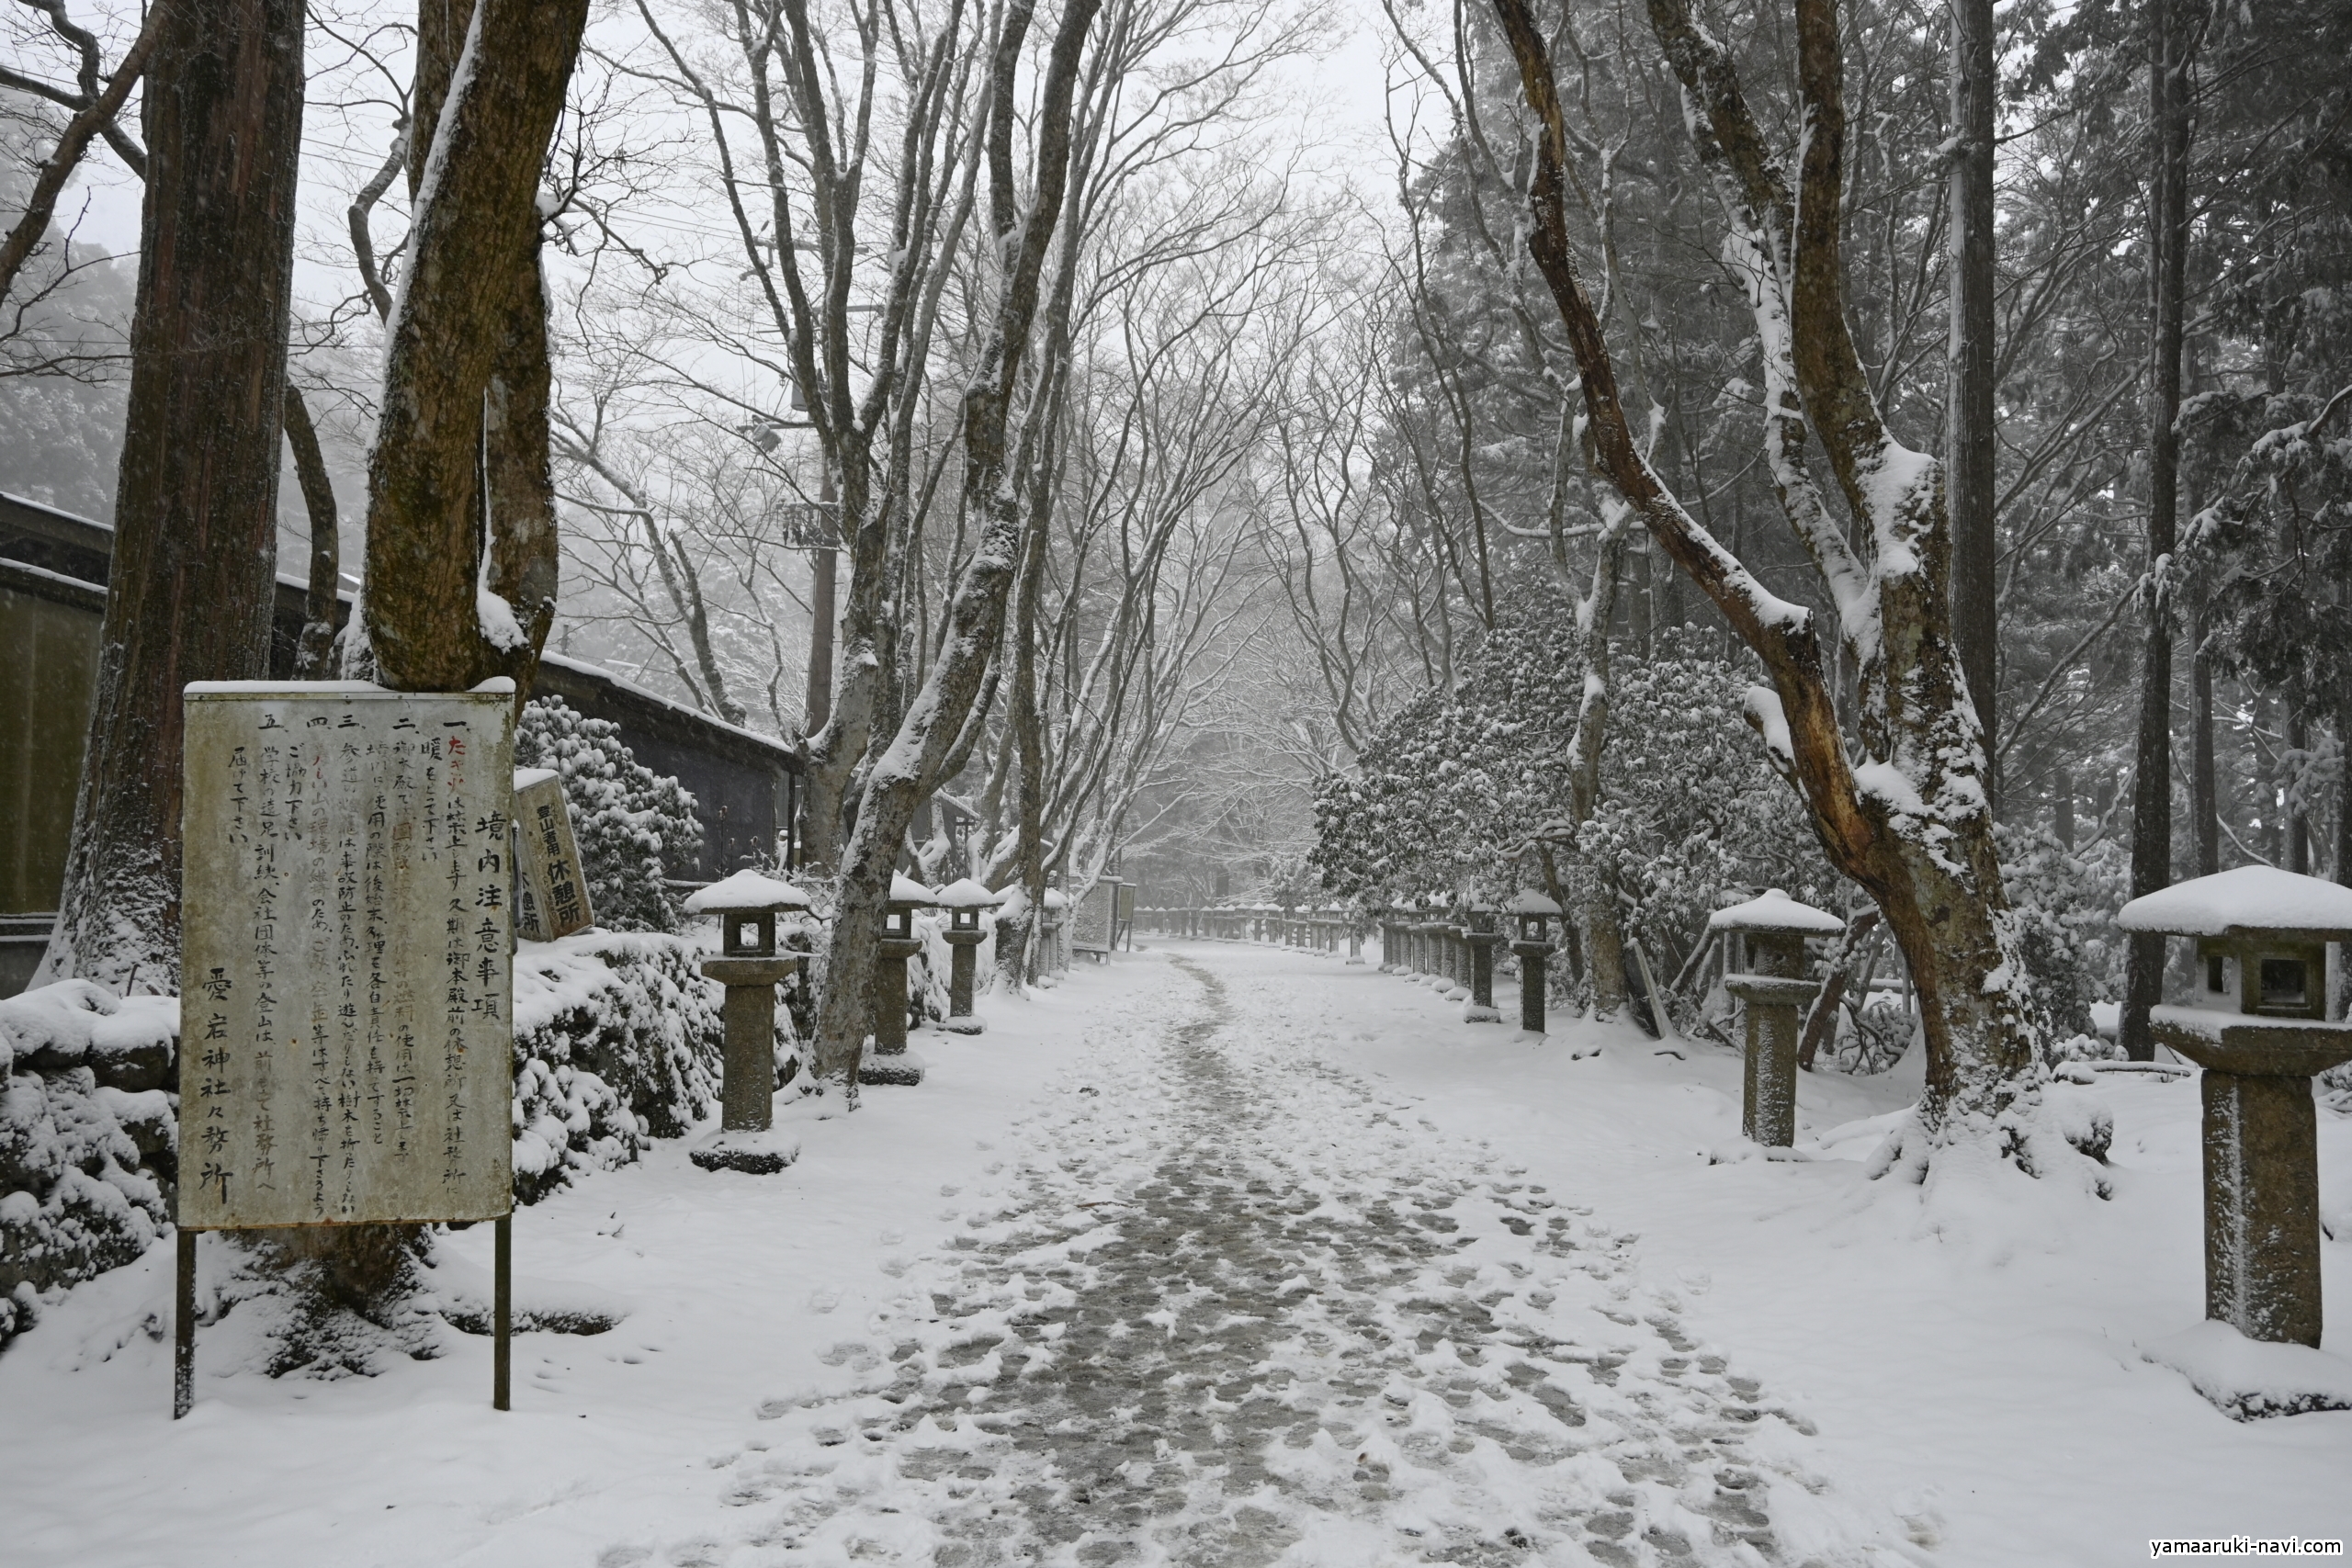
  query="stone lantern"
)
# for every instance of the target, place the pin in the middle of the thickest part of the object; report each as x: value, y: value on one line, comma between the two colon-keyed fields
x: 2259, y: 1028
x: 1483, y: 938
x: 1773, y: 989
x: 1531, y: 913
x: 1424, y: 932
x: 1454, y: 985
x: 963, y: 900
x: 749, y: 965
x: 1050, y: 924
x: 891, y: 1061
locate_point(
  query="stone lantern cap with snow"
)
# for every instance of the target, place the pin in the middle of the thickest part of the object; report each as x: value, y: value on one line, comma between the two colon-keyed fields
x: 747, y: 905
x: 2262, y: 937
x: 906, y: 896
x: 1533, y: 910
x: 963, y: 900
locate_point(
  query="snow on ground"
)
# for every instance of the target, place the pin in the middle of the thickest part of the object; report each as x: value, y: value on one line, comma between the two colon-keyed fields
x: 1227, y: 1255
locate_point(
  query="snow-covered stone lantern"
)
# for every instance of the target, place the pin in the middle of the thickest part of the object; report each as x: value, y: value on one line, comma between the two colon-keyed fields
x: 747, y: 906
x: 2259, y: 1028
x: 891, y: 1061
x: 1051, y: 920
x: 1455, y: 954
x: 1483, y: 938
x: 1773, y: 989
x: 1532, y: 912
x: 963, y: 900
x: 1424, y: 930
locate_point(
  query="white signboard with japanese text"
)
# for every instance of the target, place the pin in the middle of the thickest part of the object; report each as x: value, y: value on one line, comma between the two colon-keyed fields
x: 346, y: 1043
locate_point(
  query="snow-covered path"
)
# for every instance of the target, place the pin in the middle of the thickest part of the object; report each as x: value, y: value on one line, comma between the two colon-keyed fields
x: 1235, y: 1305
x: 1222, y: 1255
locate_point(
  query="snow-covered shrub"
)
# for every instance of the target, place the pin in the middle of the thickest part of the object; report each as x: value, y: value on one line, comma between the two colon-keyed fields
x: 1690, y: 814
x: 2062, y: 906
x: 89, y: 1137
x: 617, y: 1037
x: 629, y: 819
x: 1457, y: 788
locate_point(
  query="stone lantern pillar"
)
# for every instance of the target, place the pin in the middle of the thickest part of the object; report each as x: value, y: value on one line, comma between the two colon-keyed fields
x: 963, y: 900
x: 1454, y: 954
x: 1532, y: 912
x: 2261, y: 1033
x: 1355, y: 939
x: 747, y: 905
x: 1482, y: 939
x: 891, y: 1061
x: 1773, y: 990
x: 1051, y: 921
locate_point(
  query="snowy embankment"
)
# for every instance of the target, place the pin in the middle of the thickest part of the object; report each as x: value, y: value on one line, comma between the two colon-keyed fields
x: 617, y: 1040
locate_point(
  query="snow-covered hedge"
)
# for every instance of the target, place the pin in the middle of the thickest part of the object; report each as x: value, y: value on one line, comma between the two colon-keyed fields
x: 89, y: 1137
x: 617, y: 1038
x: 630, y: 820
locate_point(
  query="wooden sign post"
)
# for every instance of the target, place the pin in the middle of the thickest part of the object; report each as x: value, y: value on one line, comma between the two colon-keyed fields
x: 551, y: 894
x: 346, y: 1034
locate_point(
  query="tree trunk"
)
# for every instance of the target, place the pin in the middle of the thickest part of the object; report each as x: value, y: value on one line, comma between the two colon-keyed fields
x: 2204, y: 783
x: 313, y: 654
x: 518, y: 482
x: 2168, y: 117
x: 196, y: 509
x: 1029, y: 743
x: 1969, y: 446
x: 2298, y: 822
x: 433, y: 617
x: 824, y: 572
x: 1604, y: 936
